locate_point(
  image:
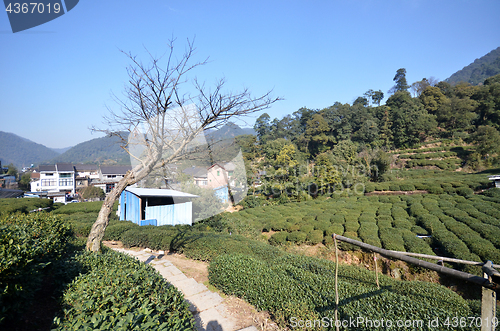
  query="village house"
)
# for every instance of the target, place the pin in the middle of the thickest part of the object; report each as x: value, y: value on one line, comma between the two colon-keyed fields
x: 109, y: 176
x: 59, y: 177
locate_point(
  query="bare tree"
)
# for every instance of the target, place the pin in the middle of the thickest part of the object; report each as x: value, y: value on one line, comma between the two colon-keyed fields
x: 160, y: 124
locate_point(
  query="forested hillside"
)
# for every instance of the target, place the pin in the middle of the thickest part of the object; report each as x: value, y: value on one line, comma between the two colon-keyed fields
x: 22, y: 152
x: 105, y: 150
x: 314, y: 151
x: 476, y: 72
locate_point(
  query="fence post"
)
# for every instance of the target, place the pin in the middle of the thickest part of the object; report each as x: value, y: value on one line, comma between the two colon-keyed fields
x: 488, y: 300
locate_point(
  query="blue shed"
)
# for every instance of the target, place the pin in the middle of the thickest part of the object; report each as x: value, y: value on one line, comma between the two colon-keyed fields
x: 147, y: 206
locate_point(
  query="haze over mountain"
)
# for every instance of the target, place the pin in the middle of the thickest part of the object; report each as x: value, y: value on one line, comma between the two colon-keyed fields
x: 22, y: 152
x: 476, y: 72
x: 107, y: 150
x: 61, y: 150
x: 104, y: 150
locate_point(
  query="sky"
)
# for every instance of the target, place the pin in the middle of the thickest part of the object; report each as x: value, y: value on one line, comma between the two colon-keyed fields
x: 58, y: 79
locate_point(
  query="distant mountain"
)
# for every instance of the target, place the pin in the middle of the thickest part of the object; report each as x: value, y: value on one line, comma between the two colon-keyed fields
x: 476, y: 72
x: 60, y: 150
x: 22, y: 152
x: 229, y: 131
x: 104, y: 150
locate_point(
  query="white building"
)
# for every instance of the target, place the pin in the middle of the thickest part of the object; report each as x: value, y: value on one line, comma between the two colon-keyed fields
x: 109, y: 176
x: 59, y: 177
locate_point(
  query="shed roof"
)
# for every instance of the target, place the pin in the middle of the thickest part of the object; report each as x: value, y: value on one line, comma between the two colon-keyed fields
x: 154, y: 192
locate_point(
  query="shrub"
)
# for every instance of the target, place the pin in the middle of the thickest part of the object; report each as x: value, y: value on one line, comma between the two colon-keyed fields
x: 307, y: 228
x: 314, y: 237
x: 28, y: 243
x: 279, y: 225
x: 394, y: 187
x: 120, y: 293
x: 407, y: 187
x: 297, y: 237
x: 278, y: 238
x: 465, y: 191
x: 292, y: 284
x: 13, y: 205
x: 82, y: 207
x: 115, y: 229
x: 391, y: 239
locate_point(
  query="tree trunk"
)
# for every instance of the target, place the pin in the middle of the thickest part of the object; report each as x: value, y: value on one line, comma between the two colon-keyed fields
x: 97, y: 232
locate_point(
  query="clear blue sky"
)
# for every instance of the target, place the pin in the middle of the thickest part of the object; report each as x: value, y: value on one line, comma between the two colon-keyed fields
x: 57, y: 78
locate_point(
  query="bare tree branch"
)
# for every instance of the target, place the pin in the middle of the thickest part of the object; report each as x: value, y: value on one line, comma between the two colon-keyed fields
x: 158, y: 124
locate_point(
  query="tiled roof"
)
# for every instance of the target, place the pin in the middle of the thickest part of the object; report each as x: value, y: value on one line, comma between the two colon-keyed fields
x: 48, y: 167
x: 196, y: 172
x: 115, y: 170
x: 86, y: 167
x: 65, y: 167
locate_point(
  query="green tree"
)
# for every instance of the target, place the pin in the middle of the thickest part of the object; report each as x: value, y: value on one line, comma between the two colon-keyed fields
x: 317, y: 135
x: 24, y: 181
x: 411, y: 123
x: 488, y: 103
x: 487, y: 140
x: 326, y: 176
x: 374, y: 96
x: 433, y: 99
x: 262, y: 127
x: 272, y: 148
x: 248, y: 145
x: 92, y: 192
x: 12, y: 170
x: 400, y: 80
x: 419, y: 86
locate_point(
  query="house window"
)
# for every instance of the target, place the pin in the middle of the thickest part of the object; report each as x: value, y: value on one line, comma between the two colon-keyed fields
x: 66, y: 182
x: 49, y: 174
x: 49, y: 182
x: 111, y: 176
x: 109, y: 187
x: 66, y: 175
x: 218, y: 172
x: 230, y: 173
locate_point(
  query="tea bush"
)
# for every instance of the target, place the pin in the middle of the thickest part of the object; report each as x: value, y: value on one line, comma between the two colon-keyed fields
x: 24, y: 205
x: 28, y: 243
x: 118, y: 292
x: 283, y: 284
x: 278, y: 238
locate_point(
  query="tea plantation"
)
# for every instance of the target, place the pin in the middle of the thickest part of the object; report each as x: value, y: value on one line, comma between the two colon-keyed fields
x: 108, y: 291
x: 460, y: 227
x: 247, y: 259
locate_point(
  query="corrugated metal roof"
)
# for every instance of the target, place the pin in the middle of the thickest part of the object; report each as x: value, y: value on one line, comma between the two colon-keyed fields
x: 155, y: 192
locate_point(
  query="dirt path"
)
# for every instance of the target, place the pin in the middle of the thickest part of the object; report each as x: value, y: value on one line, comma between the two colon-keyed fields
x: 244, y: 313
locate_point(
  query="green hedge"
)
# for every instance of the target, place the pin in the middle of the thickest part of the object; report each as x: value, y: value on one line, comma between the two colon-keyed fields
x: 117, y: 292
x: 24, y: 205
x: 302, y: 287
x: 28, y: 243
